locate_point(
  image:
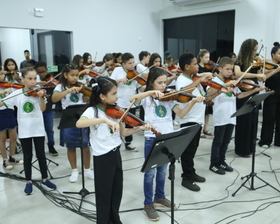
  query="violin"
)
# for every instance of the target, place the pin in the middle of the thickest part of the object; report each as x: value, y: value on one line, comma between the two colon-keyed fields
x: 172, y: 67
x: 182, y: 97
x: 134, y: 75
x: 212, y: 65
x: 85, y: 90
x: 210, y: 83
x: 269, y: 64
x: 34, y: 92
x: 11, y: 85
x: 53, y: 83
x: 92, y: 73
x: 99, y: 63
x: 117, y: 112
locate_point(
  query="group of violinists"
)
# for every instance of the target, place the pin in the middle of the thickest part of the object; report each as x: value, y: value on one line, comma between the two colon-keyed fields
x: 116, y: 88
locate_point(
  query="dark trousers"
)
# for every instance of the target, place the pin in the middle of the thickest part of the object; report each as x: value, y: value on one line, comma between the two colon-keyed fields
x: 187, y: 157
x: 39, y: 143
x: 271, y: 120
x: 128, y: 139
x: 245, y: 130
x: 108, y: 184
x: 48, y: 122
x: 222, y: 136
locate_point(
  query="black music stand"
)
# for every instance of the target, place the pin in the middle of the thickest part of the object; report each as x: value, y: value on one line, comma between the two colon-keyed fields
x: 68, y: 119
x: 249, y: 106
x: 167, y: 148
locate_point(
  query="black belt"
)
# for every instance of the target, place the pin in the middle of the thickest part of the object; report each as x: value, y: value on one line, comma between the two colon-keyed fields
x: 118, y: 147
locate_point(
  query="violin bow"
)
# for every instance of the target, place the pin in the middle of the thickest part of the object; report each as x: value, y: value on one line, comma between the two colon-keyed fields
x: 177, y: 92
x: 141, y: 72
x: 95, y: 56
x: 127, y: 110
x: 241, y: 77
x: 215, y: 65
x: 27, y: 91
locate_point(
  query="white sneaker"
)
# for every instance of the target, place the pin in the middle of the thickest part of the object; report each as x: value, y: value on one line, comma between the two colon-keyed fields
x: 74, y: 177
x: 89, y: 174
x: 265, y: 146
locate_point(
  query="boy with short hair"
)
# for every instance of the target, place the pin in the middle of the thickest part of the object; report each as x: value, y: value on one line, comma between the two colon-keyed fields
x: 224, y: 106
x: 126, y: 89
x: 144, y: 58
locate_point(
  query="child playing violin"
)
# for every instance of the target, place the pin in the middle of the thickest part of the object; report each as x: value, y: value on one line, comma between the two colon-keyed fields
x: 224, y: 106
x: 144, y: 58
x: 105, y: 142
x: 87, y: 59
x: 159, y: 114
x: 126, y: 89
x: 29, y: 115
x: 188, y: 64
x: 8, y: 125
x: 71, y: 96
x: 12, y: 75
x: 83, y: 72
x: 107, y: 68
x: 48, y: 114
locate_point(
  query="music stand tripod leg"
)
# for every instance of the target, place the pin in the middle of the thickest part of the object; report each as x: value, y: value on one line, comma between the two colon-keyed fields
x: 171, y: 177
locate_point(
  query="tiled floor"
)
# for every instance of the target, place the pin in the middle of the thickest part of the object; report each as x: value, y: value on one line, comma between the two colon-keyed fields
x: 213, y: 204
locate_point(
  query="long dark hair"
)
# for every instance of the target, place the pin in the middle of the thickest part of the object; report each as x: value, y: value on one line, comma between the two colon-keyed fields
x: 101, y: 85
x: 246, y: 54
x: 6, y: 64
x: 153, y: 57
x: 67, y: 69
x: 153, y: 75
x: 85, y: 57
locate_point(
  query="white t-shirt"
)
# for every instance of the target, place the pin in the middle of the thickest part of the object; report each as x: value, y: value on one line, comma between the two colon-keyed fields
x: 159, y: 114
x: 2, y: 96
x: 83, y: 78
x: 125, y: 91
x: 29, y: 114
x: 102, y: 140
x: 142, y: 68
x: 224, y: 106
x: 196, y: 114
x: 70, y: 98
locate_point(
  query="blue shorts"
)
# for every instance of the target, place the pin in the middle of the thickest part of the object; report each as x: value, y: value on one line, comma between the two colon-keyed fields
x: 7, y: 120
x: 72, y: 137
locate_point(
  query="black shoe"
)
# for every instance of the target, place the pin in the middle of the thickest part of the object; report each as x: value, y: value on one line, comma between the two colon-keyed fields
x: 52, y: 151
x: 130, y: 148
x: 188, y: 183
x: 217, y: 170
x: 226, y: 167
x: 197, y: 178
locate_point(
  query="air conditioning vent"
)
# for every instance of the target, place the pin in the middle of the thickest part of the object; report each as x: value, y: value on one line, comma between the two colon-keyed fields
x: 189, y: 2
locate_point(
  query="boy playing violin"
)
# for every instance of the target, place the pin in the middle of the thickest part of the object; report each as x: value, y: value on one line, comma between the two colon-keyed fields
x: 126, y: 89
x: 224, y: 106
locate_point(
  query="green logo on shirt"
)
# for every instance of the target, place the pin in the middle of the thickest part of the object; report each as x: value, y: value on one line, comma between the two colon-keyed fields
x: 81, y: 77
x: 160, y: 111
x: 74, y: 98
x: 2, y: 96
x: 28, y: 107
x: 229, y: 94
x: 128, y: 83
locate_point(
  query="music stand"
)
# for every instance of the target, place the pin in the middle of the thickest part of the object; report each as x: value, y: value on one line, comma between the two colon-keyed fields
x: 68, y: 119
x: 249, y: 106
x: 167, y: 148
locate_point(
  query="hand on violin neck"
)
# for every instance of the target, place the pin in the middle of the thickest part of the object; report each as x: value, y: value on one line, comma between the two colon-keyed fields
x: 156, y: 94
x: 41, y: 92
x: 258, y: 89
x: 145, y: 127
x: 205, y: 76
x: 231, y: 83
x: 198, y: 99
x: 261, y: 77
x: 75, y: 89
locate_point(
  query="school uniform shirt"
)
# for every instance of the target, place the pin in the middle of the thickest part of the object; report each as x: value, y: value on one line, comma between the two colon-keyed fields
x: 159, y: 114
x: 125, y: 91
x: 196, y: 114
x: 2, y: 96
x: 224, y: 106
x: 142, y: 68
x: 29, y: 114
x: 83, y: 78
x: 102, y: 140
x: 70, y: 98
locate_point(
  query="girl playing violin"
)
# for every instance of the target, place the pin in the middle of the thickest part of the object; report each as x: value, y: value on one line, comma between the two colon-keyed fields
x: 107, y: 68
x: 88, y: 60
x: 29, y: 115
x: 244, y: 124
x: 118, y: 58
x: 12, y: 75
x: 8, y: 125
x: 105, y: 143
x: 203, y: 58
x: 83, y: 72
x: 71, y: 96
x: 271, y: 106
x: 159, y: 114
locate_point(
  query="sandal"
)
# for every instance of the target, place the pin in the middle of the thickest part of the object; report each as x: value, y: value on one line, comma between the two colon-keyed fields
x: 208, y: 133
x: 202, y: 136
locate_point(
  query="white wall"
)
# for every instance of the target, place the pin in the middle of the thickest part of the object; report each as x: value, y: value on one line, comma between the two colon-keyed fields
x: 13, y: 43
x: 256, y: 19
x: 104, y: 26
